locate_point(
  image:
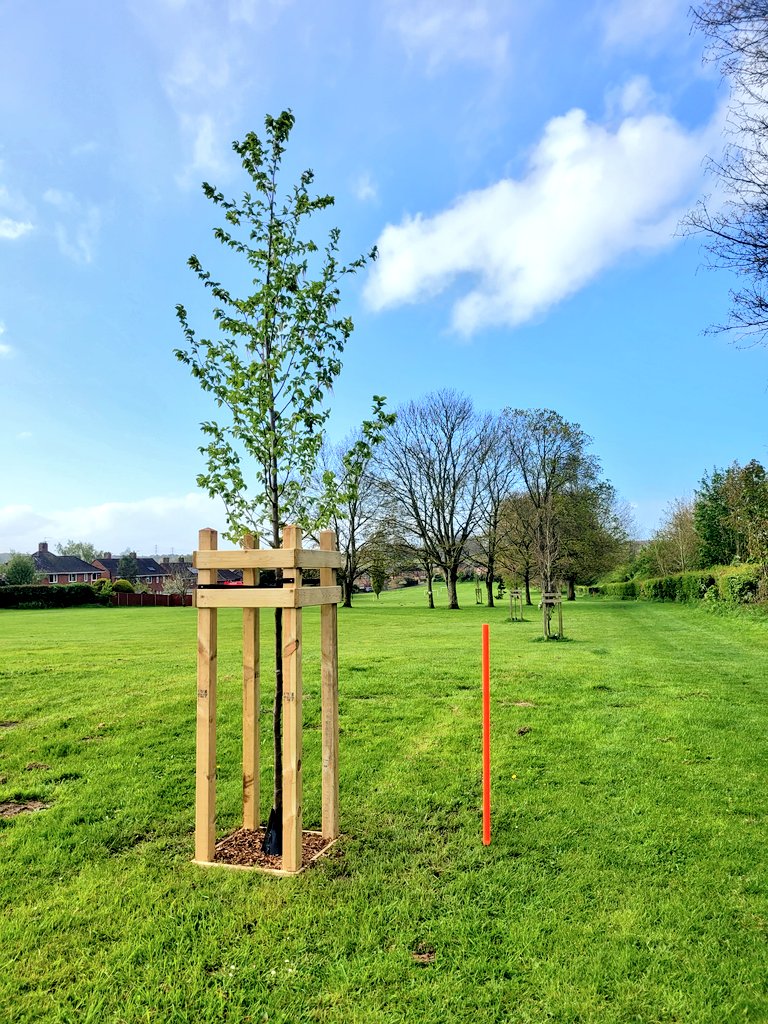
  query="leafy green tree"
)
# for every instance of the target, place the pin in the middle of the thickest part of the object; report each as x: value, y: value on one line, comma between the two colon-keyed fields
x: 128, y: 566
x: 20, y: 570
x: 712, y: 519
x: 551, y: 456
x: 80, y: 548
x: 593, y: 533
x: 749, y: 510
x: 272, y: 363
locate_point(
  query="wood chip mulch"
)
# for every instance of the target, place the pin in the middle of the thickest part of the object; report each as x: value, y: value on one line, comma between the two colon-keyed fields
x: 10, y: 808
x: 243, y: 847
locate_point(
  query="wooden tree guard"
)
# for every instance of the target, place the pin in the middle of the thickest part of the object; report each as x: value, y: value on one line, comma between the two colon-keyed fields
x: 549, y: 601
x: 516, y: 605
x: 292, y: 558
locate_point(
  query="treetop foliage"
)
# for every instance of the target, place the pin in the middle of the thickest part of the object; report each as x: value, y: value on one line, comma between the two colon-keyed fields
x: 278, y: 348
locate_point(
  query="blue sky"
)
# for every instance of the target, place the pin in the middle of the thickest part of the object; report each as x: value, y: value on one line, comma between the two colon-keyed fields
x: 522, y: 168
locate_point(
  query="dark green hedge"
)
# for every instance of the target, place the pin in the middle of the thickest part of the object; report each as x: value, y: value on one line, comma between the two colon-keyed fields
x: 49, y: 596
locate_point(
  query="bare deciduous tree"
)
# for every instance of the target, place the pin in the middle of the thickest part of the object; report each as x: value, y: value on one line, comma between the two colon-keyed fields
x: 431, y: 466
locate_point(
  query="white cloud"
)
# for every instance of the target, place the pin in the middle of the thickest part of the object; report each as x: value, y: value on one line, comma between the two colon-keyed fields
x: 463, y: 31
x: 204, y: 138
x: 591, y: 194
x: 365, y: 188
x: 13, y: 229
x: 163, y: 522
x: 78, y: 227
x: 629, y: 23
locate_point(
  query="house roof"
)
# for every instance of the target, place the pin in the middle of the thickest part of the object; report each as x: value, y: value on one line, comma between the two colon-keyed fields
x: 47, y: 562
x: 146, y: 566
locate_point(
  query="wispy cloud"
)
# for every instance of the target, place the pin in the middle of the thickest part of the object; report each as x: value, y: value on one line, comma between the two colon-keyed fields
x: 364, y: 188
x: 451, y: 31
x: 15, y: 213
x: 630, y: 23
x: 206, y: 67
x: 6, y: 350
x: 592, y: 194
x: 77, y: 226
x: 12, y: 229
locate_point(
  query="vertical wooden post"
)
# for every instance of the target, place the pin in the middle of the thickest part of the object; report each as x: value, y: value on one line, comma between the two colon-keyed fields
x: 205, y: 781
x: 329, y: 683
x: 560, y: 617
x: 251, y: 699
x: 292, y: 718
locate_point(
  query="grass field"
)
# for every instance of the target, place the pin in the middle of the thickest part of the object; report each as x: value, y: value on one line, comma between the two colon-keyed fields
x: 625, y: 882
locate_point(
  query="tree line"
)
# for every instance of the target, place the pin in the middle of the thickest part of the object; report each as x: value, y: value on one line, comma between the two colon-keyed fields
x: 516, y: 493
x: 724, y: 523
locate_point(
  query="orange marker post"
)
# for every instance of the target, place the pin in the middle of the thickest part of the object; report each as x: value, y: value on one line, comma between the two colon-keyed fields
x: 486, y: 736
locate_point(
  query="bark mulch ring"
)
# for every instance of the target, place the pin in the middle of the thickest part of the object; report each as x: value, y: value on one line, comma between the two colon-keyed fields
x: 242, y: 849
x: 10, y: 808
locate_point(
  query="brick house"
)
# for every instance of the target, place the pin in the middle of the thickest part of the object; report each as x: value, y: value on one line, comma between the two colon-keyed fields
x: 62, y: 568
x: 149, y: 573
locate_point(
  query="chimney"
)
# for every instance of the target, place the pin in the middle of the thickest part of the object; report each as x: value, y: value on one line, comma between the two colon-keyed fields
x: 181, y: 559
x: 166, y: 560
x: 42, y: 546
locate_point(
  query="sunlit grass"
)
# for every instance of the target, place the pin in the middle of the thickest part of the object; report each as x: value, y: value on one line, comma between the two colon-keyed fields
x: 625, y: 880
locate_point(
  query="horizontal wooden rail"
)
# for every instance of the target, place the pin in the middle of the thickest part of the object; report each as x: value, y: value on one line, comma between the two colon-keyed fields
x: 269, y: 558
x: 275, y: 597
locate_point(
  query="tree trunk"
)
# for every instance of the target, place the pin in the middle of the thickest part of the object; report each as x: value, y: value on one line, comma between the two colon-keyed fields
x: 571, y: 589
x: 527, y: 578
x: 347, y: 590
x: 489, y: 590
x: 451, y: 577
x: 430, y: 594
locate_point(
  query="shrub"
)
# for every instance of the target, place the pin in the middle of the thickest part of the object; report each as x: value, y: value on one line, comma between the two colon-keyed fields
x: 122, y: 587
x: 738, y: 584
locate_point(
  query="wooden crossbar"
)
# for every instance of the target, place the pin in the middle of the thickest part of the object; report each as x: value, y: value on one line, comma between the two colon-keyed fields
x: 271, y: 597
x: 269, y: 558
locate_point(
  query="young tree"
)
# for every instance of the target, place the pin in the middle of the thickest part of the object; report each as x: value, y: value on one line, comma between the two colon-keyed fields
x: 271, y: 365
x: 20, y: 570
x: 736, y: 231
x: 431, y: 465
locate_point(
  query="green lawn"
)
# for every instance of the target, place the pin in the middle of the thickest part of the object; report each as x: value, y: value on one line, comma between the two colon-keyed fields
x: 625, y: 882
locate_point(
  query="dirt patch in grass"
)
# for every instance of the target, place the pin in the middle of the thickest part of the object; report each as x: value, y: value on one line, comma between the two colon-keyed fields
x: 423, y: 955
x: 10, y: 808
x: 8, y: 725
x: 524, y: 704
x: 243, y: 848
x: 37, y: 766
